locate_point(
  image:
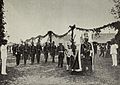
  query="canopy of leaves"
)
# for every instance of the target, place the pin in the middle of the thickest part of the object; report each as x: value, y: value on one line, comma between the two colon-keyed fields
x: 2, y: 23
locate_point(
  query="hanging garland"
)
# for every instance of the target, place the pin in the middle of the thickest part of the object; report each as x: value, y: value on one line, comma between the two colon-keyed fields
x: 40, y: 36
x: 112, y: 25
x: 115, y: 25
x: 60, y: 36
x: 49, y: 33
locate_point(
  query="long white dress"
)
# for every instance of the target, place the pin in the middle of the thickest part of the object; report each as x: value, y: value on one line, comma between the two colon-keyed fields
x: 4, y: 58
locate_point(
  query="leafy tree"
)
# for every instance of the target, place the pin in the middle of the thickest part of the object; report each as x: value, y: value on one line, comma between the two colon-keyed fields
x: 116, y: 12
x: 116, y: 9
x: 2, y: 23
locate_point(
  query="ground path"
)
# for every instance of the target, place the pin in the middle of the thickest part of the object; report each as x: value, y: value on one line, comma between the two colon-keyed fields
x: 50, y: 74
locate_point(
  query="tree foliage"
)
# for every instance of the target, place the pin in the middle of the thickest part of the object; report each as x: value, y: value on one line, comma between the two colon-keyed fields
x: 2, y: 23
x: 116, y: 9
x: 116, y: 12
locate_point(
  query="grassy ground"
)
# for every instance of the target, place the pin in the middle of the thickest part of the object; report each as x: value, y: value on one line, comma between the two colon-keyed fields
x: 50, y: 74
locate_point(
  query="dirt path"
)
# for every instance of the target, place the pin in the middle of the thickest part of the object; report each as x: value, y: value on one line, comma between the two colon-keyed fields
x: 49, y: 74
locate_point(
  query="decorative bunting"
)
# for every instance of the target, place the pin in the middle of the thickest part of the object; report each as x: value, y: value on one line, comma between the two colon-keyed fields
x: 115, y: 25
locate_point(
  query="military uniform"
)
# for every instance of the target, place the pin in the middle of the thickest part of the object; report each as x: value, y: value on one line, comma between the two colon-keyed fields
x: 32, y: 51
x: 73, y: 46
x: 18, y: 55
x: 25, y: 53
x: 60, y: 50
x: 14, y: 49
x: 102, y: 50
x: 22, y: 51
x: 53, y: 50
x: 86, y: 48
x: 46, y: 50
x: 38, y: 52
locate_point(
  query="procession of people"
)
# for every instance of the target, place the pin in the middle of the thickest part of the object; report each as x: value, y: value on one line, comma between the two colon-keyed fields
x: 79, y: 57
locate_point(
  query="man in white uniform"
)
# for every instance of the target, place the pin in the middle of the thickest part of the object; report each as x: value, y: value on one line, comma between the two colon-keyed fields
x: 4, y: 56
x: 113, y: 52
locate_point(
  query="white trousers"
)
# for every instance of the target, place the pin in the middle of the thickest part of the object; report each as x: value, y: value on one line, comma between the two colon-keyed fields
x: 3, y: 66
x: 114, y: 59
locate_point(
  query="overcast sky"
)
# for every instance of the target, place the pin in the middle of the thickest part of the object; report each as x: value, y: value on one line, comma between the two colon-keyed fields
x: 29, y: 18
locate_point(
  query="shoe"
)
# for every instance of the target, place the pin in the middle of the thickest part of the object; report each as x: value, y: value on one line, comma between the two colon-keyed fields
x: 113, y: 65
x: 4, y: 73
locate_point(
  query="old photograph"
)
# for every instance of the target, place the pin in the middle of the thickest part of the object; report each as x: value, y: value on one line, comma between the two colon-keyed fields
x: 59, y: 42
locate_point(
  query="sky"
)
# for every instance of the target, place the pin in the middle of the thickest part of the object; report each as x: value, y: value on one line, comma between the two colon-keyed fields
x: 30, y: 18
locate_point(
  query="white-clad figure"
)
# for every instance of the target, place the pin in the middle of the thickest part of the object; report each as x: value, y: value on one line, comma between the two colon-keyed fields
x: 4, y: 57
x: 77, y: 66
x: 68, y: 56
x: 113, y: 52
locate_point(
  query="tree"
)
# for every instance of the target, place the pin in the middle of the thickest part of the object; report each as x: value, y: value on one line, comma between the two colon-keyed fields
x: 116, y: 9
x: 116, y: 12
x: 2, y: 23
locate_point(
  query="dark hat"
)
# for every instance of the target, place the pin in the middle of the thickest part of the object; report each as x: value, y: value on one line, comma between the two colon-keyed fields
x: 4, y: 42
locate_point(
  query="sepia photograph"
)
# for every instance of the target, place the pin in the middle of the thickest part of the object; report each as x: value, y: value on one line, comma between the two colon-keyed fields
x: 59, y: 42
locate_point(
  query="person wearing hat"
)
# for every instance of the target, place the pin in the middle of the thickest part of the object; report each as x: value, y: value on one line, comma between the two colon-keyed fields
x: 32, y: 52
x: 38, y: 51
x: 52, y: 51
x: 25, y: 52
x: 60, y: 50
x: 46, y: 51
x: 86, y: 49
x: 18, y: 54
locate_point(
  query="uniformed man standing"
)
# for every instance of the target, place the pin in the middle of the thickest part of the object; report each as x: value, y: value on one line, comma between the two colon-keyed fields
x: 26, y: 52
x: 53, y: 50
x: 32, y: 52
x: 18, y: 54
x: 73, y: 46
x: 102, y: 50
x: 46, y: 50
x: 14, y: 49
x: 86, y: 49
x: 22, y: 51
x: 60, y: 50
x: 38, y: 51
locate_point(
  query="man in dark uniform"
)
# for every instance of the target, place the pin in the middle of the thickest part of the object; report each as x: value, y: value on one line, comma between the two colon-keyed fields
x: 73, y: 46
x: 60, y: 50
x: 18, y: 54
x: 53, y: 50
x: 14, y: 49
x: 22, y: 50
x: 25, y: 52
x: 102, y: 50
x: 95, y: 47
x: 86, y: 49
x: 32, y: 52
x: 38, y: 51
x: 46, y: 50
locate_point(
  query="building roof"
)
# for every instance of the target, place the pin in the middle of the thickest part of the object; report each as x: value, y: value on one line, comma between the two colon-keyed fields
x: 103, y: 37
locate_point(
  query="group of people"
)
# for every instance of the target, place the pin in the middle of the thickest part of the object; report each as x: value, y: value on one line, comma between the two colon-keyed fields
x: 25, y: 51
x: 109, y: 49
x: 77, y: 56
